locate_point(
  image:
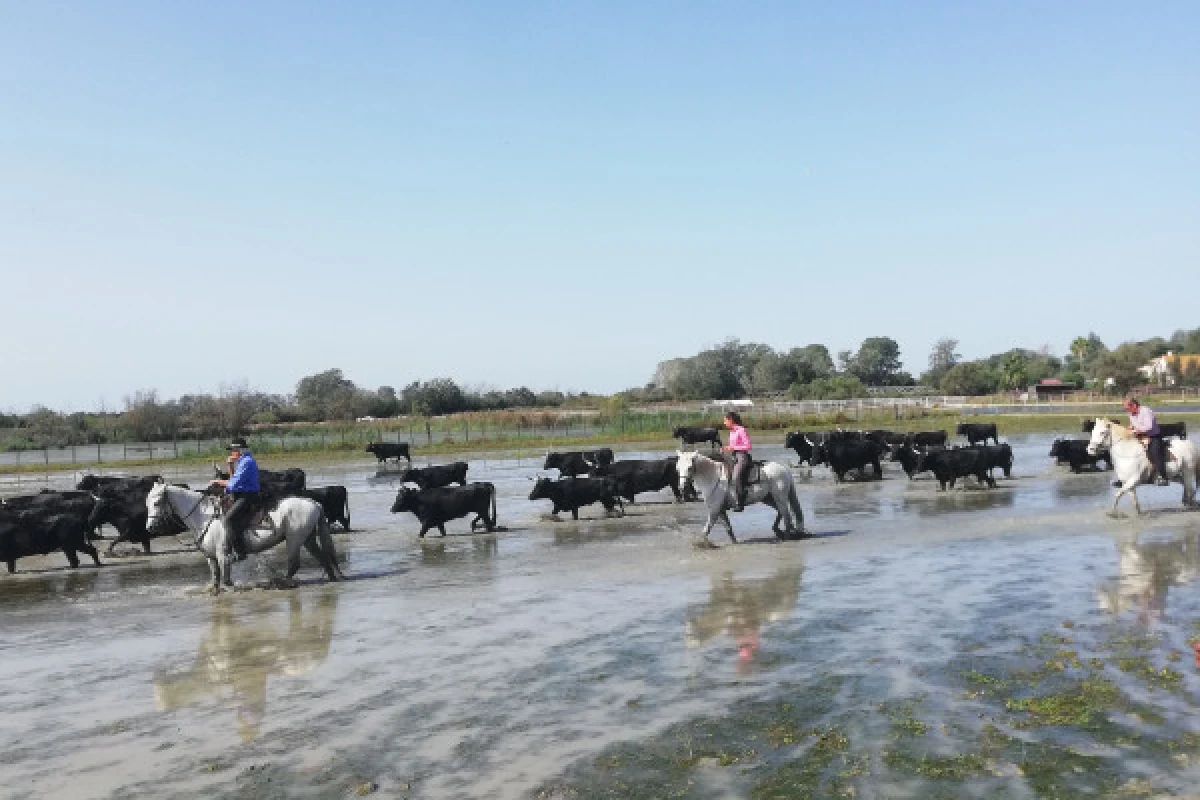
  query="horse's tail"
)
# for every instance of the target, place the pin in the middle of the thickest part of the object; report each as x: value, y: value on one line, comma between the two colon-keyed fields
x: 794, y: 503
x: 325, y: 545
x: 346, y: 509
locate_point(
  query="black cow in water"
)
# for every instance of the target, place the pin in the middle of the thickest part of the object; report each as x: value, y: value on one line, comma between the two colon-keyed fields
x: 570, y: 494
x: 334, y: 501
x: 386, y: 450
x: 1075, y: 453
x: 578, y: 462
x: 959, y: 462
x: 636, y: 476
x: 122, y: 504
x: 1167, y: 429
x: 909, y: 458
x: 437, y: 475
x: 843, y: 455
x: 694, y: 436
x: 997, y: 456
x: 800, y: 443
x: 926, y: 439
x: 39, y: 528
x: 977, y: 432
x: 435, y: 507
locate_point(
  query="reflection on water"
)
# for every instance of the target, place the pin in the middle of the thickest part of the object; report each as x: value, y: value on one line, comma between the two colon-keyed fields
x: 739, y: 609
x: 236, y: 657
x: 1146, y: 570
x: 435, y: 552
x: 937, y: 503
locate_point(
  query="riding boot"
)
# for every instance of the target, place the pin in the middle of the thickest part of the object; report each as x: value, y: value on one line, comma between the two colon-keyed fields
x: 739, y: 500
x: 238, y: 546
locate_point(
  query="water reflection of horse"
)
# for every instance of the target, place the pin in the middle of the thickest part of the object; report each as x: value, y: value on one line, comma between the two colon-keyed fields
x: 238, y: 655
x: 1146, y: 570
x: 740, y: 608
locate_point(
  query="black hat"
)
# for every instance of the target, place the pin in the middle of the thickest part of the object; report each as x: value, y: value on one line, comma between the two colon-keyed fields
x: 238, y: 443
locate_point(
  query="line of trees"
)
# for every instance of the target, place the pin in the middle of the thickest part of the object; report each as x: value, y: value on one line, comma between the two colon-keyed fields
x: 736, y: 369
x: 731, y: 369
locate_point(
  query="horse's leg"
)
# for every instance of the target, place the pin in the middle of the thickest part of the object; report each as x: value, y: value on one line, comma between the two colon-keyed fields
x: 331, y: 551
x: 214, y: 567
x: 294, y: 544
x: 728, y: 526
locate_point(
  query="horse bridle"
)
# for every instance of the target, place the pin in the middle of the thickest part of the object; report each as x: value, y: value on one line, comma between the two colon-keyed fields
x: 184, y: 518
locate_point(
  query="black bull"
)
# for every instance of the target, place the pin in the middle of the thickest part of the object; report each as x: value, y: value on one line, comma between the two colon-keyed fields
x: 695, y: 436
x: 571, y: 494
x: 636, y: 476
x: 437, y: 475
x: 385, y: 450
x: 578, y: 462
x: 42, y: 528
x: 435, y: 507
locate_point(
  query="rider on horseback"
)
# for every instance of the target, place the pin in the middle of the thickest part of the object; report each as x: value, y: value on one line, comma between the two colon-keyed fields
x: 1145, y: 425
x: 242, y: 486
x: 739, y: 445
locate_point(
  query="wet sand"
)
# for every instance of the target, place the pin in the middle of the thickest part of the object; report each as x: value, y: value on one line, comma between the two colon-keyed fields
x: 983, y: 643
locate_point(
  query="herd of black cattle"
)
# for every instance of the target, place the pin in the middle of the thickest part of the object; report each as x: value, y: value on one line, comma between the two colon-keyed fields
x: 70, y: 520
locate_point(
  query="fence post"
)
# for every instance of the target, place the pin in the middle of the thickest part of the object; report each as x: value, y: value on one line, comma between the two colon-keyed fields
x: 466, y: 429
x: 124, y: 451
x: 46, y: 455
x: 428, y: 433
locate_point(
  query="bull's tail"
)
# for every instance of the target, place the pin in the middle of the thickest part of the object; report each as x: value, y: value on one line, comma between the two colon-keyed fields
x: 492, y: 525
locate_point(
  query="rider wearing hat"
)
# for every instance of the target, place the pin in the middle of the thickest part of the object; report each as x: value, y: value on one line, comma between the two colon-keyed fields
x: 739, y: 445
x: 1145, y: 425
x: 242, y: 486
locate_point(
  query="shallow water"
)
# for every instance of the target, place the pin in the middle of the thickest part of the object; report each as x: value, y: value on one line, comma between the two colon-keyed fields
x: 1012, y: 642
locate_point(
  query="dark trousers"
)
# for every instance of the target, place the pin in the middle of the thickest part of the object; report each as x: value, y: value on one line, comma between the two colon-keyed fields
x: 741, y: 464
x: 1156, y: 451
x: 237, y: 519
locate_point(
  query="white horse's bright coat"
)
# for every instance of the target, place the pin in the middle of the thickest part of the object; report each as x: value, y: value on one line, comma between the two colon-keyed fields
x: 1133, y: 466
x: 298, y: 520
x: 775, y: 489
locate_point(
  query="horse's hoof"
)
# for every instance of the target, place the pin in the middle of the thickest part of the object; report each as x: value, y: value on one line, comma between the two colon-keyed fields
x: 704, y: 544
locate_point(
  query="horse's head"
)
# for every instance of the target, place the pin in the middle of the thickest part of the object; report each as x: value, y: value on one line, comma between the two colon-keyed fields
x: 1101, y: 436
x: 686, y: 465
x: 158, y: 507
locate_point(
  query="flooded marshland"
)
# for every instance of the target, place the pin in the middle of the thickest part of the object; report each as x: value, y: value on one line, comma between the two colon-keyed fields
x: 1012, y: 642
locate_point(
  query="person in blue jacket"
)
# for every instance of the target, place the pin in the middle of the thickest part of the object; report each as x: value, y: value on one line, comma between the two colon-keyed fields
x: 242, y: 486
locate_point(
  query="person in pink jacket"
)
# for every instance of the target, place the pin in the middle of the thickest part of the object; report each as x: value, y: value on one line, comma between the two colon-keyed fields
x: 739, y: 445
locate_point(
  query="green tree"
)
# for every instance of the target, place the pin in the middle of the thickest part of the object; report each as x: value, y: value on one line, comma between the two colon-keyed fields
x: 1014, y: 372
x: 969, y: 378
x: 877, y: 362
x: 326, y: 395
x: 811, y: 362
x: 941, y: 358
x: 772, y: 373
x: 1122, y: 365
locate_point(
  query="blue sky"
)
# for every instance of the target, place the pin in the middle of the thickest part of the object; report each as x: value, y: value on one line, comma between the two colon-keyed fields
x: 563, y: 194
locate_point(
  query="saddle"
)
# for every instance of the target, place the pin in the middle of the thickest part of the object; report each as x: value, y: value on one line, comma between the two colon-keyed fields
x: 753, y: 475
x: 260, y: 520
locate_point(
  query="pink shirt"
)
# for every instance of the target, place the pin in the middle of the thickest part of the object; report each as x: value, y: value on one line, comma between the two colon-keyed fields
x: 1144, y: 422
x: 739, y: 439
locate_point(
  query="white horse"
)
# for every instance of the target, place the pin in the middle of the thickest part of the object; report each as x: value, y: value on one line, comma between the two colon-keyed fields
x: 1133, y: 466
x: 297, y: 519
x: 775, y: 488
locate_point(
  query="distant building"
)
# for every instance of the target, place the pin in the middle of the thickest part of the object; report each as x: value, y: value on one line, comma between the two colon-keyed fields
x: 1166, y: 368
x: 1050, y: 387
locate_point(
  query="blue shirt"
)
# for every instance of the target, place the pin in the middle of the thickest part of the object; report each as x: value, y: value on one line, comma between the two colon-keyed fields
x: 245, y: 475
